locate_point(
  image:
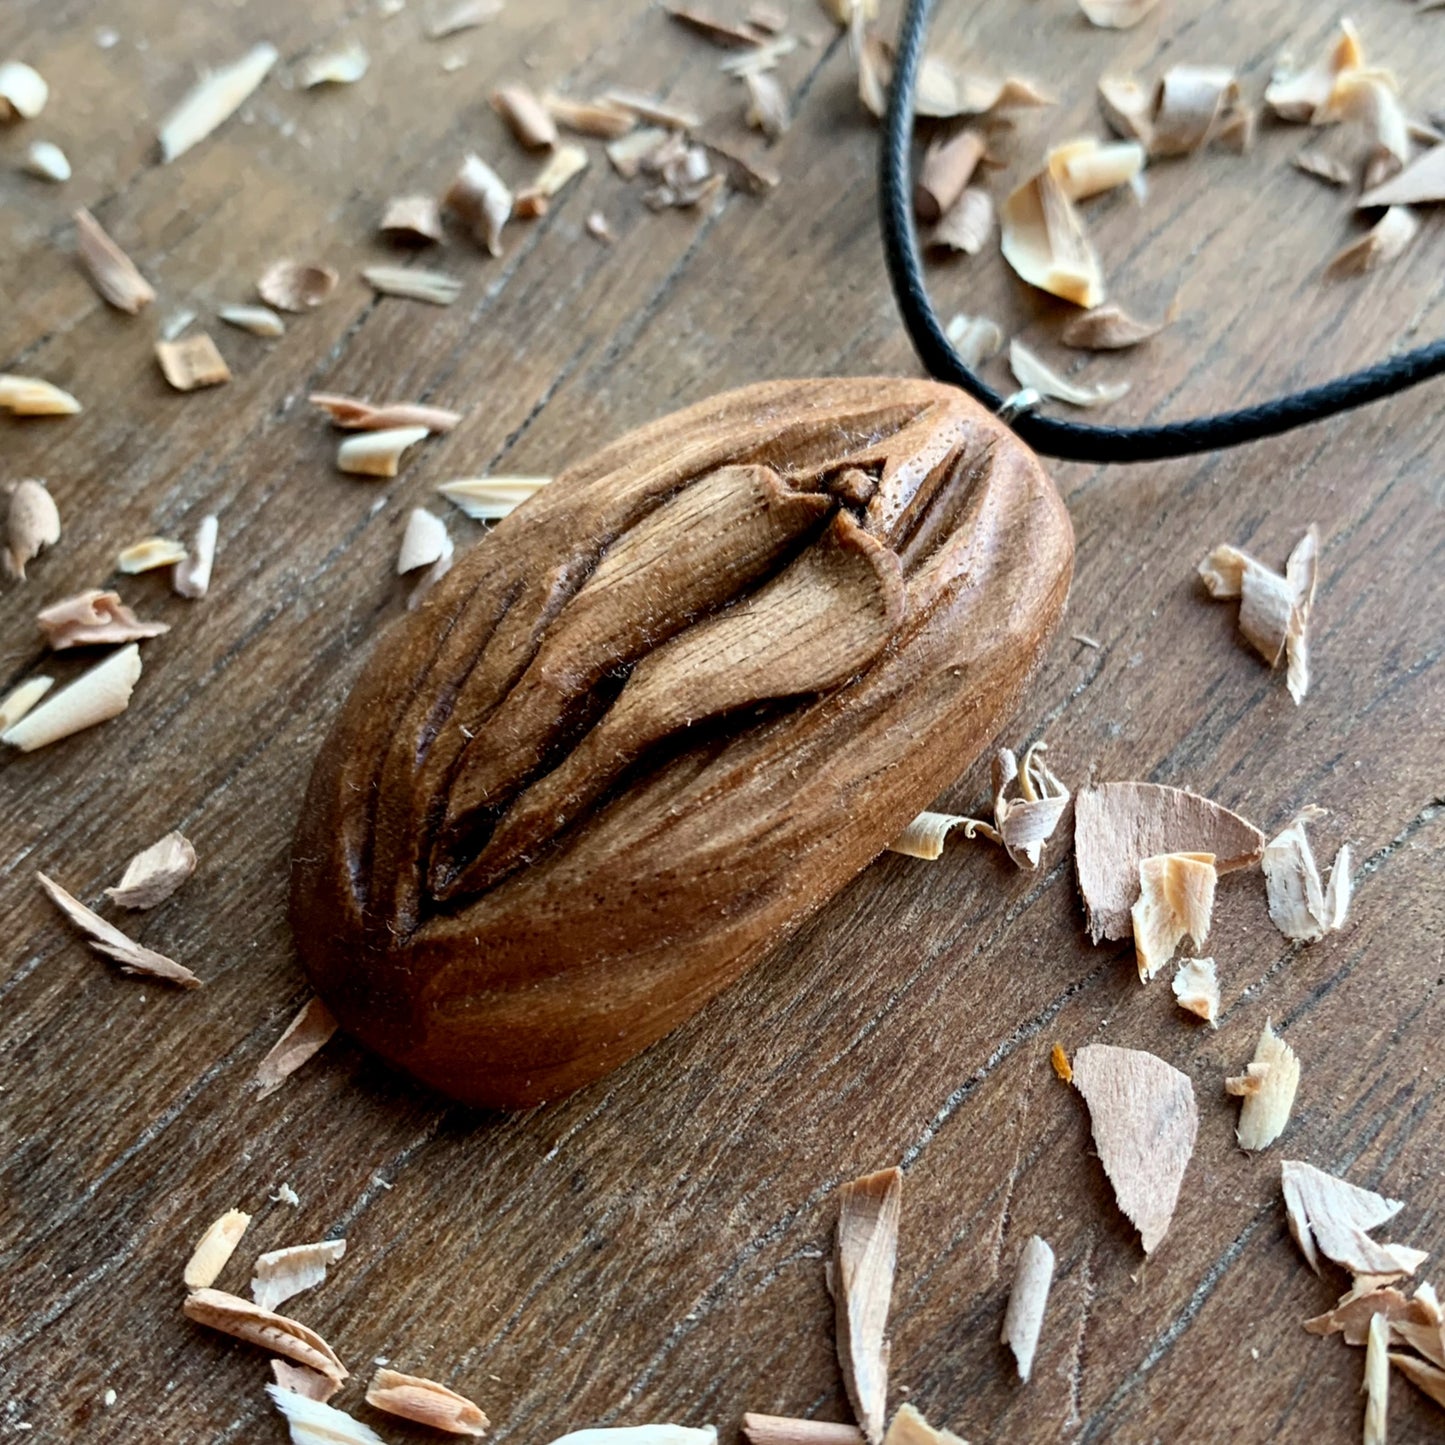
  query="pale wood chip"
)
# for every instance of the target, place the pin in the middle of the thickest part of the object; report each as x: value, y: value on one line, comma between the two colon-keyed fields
x: 1371, y: 97
x: 948, y: 166
x: 155, y: 873
x: 1107, y: 328
x: 1025, y: 823
x: 1044, y: 242
x: 528, y: 119
x: 32, y: 523
x: 296, y: 285
x: 966, y: 225
x: 244, y: 1320
x: 94, y: 697
x: 1128, y: 107
x: 1352, y: 1315
x: 1032, y: 372
x: 481, y: 200
x: 192, y: 362
x: 106, y: 938
x: 217, y: 97
x: 1381, y: 244
x: 924, y: 837
x: 1377, y: 1381
x: 351, y: 413
x: 1300, y: 96
x: 413, y: 218
x: 593, y: 118
x: 1189, y: 102
x: 1087, y: 168
x: 428, y: 1403
x: 910, y: 1428
x: 1320, y: 163
x: 1176, y: 900
x: 23, y: 91
x: 652, y: 111
x: 282, y: 1273
x: 424, y: 541
x: 1144, y: 1120
x: 1118, y: 825
x: 1300, y: 906
x: 628, y: 153
x: 111, y: 271
x: 767, y: 109
x: 1421, y: 183
x: 1329, y: 1216
x: 1116, y: 14
x: 845, y: 12
x: 1251, y: 1081
x: 975, y: 338
x: 298, y: 1380
x: 450, y: 17
x: 1427, y: 1378
x: 258, y: 320
x: 214, y: 1249
x: 1422, y: 1327
x: 565, y: 164
x: 149, y: 554
x: 313, y: 1422
x: 945, y: 93
x: 29, y: 396
x: 21, y: 698
x: 489, y: 499
x: 192, y: 577
x: 1059, y: 1062
x: 1025, y: 1317
x: 1267, y: 1107
x: 864, y: 1259
x: 783, y: 1430
x: 344, y: 65
x: 378, y: 453
x: 600, y: 229
x: 1196, y: 986
x: 413, y: 283
x: 309, y: 1032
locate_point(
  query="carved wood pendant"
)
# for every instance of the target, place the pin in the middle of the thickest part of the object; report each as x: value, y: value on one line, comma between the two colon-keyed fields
x: 670, y: 707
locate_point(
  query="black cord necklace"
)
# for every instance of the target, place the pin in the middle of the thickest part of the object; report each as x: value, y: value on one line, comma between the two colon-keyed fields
x: 1072, y: 440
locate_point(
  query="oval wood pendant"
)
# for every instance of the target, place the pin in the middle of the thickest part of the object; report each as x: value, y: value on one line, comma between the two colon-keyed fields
x: 664, y: 712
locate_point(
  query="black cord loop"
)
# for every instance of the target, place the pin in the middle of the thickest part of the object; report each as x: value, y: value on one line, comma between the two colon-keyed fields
x: 1071, y: 440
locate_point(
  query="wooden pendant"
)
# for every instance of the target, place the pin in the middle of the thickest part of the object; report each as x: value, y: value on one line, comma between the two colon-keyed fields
x: 663, y: 713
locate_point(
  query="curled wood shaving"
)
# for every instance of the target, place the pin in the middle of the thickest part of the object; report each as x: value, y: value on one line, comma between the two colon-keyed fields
x: 1144, y: 1121
x: 489, y: 499
x: 653, y: 112
x: 1422, y: 1327
x: 377, y: 453
x: 1377, y: 1381
x: 214, y: 1249
x: 258, y: 320
x: 1352, y: 1315
x: 94, y: 697
x: 1330, y: 1216
x: 767, y: 108
x: 414, y: 1398
x: 155, y: 873
x: 910, y: 1428
x: 925, y: 835
x: 413, y: 218
x: 593, y: 118
x: 1127, y: 107
x: 1427, y: 1378
x: 46, y: 160
x: 1032, y: 372
x: 1300, y: 906
x: 1116, y: 14
x: 351, y: 413
x: 32, y: 523
x: 1422, y: 182
x: 948, y: 166
x: 23, y: 91
x: 527, y: 118
x: 1085, y: 168
x: 1382, y: 243
x: 90, y: 618
x: 282, y: 1273
x: 343, y: 66
x: 1196, y: 986
x: 1118, y: 825
x: 1026, y: 1302
x: 147, y: 555
x: 244, y: 1320
x: 975, y: 338
x: 298, y: 1380
x: 1270, y: 1083
x: 782, y: 1430
x: 192, y: 577
x: 1059, y: 1062
x: 106, y: 938
x: 29, y: 396
x: 1371, y: 97
x: 1176, y: 899
x: 480, y: 199
x: 314, y: 1422
x: 864, y: 1259
x: 21, y: 698
x: 1107, y: 328
x: 296, y: 285
x: 1299, y: 95
x: 565, y: 164
x: 111, y: 271
x: 966, y: 226
x: 1027, y: 822
x: 414, y: 284
x: 1044, y: 242
x: 424, y: 542
x: 192, y: 362
x: 215, y: 100
x: 1188, y: 103
x: 1274, y: 610
x: 306, y: 1035
x: 453, y: 16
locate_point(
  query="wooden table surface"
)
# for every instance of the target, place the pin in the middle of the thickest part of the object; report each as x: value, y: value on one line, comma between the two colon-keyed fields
x: 652, y: 1248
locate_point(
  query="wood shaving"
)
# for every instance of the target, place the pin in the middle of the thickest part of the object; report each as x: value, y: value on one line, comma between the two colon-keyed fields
x: 1189, y: 101
x: 258, y: 320
x: 314, y: 1422
x: 424, y: 542
x: 1027, y: 822
x: 1236, y: 128
x: 1059, y: 1062
x: 23, y: 91
x: 863, y: 1263
x: 846, y: 12
x: 1128, y: 107
x: 1428, y: 1379
x: 1268, y: 1088
x: 378, y: 453
x: 782, y: 1430
x: 948, y: 166
x: 1030, y: 371
x: 214, y: 1249
x: 32, y: 523
x: 1274, y: 610
x: 480, y: 199
x: 924, y: 837
x: 305, y: 1036
x: 1352, y: 1315
x: 527, y: 118
x: 111, y: 271
x: 593, y: 118
x: 910, y: 1428
x: 1196, y: 986
x: 149, y: 554
x: 413, y: 218
x: 296, y: 285
x: 628, y: 153
x: 767, y: 108
x: 1371, y: 97
x: 282, y: 1273
x: 600, y: 229
x: 1382, y: 243
x: 1025, y: 1317
x: 192, y: 362
x: 21, y: 698
x: 1044, y: 242
x: 1300, y: 905
x: 1329, y: 1216
x: 107, y: 939
x: 1107, y: 328
x: 413, y: 283
x: 244, y: 1320
x: 1421, y: 1327
x: 29, y: 396
x: 1377, y: 1381
x: 413, y: 1398
x: 720, y: 32
x: 966, y: 225
x: 975, y: 338
x: 1299, y: 95
x: 1144, y: 1121
x: 192, y: 577
x: 94, y: 697
x: 1176, y: 899
x: 744, y: 172
x: 91, y: 618
x: 343, y: 66
x: 350, y: 413
x: 453, y: 16
x: 1421, y: 183
x: 653, y: 112
x: 1116, y: 14
x: 566, y: 163
x: 1118, y: 825
x: 489, y: 499
x: 155, y: 873
x: 214, y: 100
x: 946, y: 94
x: 298, y: 1380
x: 1085, y: 168
x: 1314, y: 161
x: 47, y: 161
